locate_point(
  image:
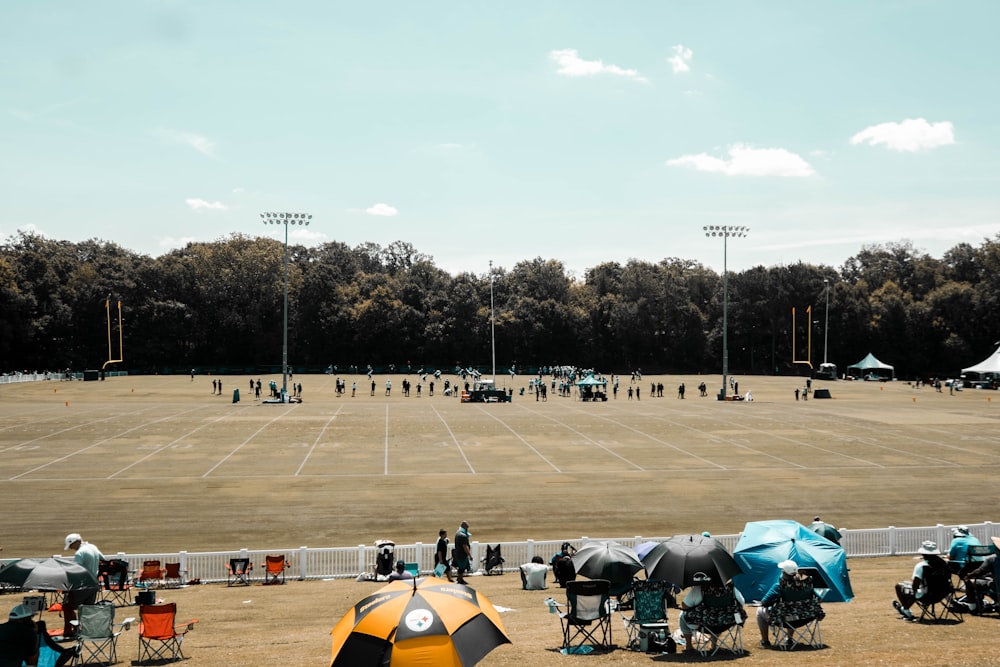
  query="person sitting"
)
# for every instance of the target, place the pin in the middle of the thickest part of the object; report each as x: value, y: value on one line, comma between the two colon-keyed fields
x: 908, y: 592
x: 533, y: 574
x: 958, y: 551
x: 562, y: 565
x: 18, y: 638
x: 982, y: 579
x: 789, y: 579
x: 695, y: 613
x: 400, y: 572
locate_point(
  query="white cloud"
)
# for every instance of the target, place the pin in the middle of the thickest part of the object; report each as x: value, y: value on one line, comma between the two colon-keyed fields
x: 382, y: 209
x: 169, y: 242
x: 198, y: 204
x: 679, y: 61
x: 200, y: 143
x: 912, y: 135
x: 571, y: 64
x: 748, y: 161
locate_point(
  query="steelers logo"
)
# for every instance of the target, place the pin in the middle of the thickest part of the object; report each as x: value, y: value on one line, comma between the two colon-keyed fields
x: 419, y: 620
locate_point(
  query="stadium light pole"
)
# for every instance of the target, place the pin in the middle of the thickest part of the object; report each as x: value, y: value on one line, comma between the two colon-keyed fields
x: 493, y: 334
x: 725, y: 231
x: 286, y: 219
x: 826, y: 325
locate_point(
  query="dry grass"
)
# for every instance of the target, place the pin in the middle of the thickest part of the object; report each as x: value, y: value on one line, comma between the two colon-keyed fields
x: 157, y: 463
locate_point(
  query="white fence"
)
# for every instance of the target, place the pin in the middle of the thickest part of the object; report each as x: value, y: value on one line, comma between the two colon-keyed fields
x: 349, y: 562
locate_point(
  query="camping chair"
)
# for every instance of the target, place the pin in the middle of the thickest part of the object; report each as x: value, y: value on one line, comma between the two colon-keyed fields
x: 114, y: 579
x: 718, y: 623
x: 239, y: 572
x: 649, y: 613
x: 493, y: 562
x: 938, y: 604
x: 385, y: 559
x: 795, y: 619
x: 150, y: 575
x: 588, y: 616
x: 274, y: 569
x: 173, y: 575
x: 97, y: 637
x: 51, y: 653
x: 159, y: 635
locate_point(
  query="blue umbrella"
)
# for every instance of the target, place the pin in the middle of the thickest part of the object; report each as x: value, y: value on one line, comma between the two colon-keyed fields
x: 764, y: 544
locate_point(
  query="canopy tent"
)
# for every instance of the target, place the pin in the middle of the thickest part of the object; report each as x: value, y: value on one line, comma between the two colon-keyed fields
x: 871, y: 366
x: 592, y: 388
x: 988, y: 366
x: 764, y: 544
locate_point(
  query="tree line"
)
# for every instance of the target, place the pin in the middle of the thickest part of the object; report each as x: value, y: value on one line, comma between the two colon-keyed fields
x: 218, y: 305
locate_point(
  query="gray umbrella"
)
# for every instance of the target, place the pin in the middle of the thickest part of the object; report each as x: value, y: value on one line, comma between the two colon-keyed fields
x: 607, y: 560
x: 47, y: 574
x: 826, y: 530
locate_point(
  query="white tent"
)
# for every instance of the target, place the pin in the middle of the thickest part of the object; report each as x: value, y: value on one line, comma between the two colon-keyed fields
x: 871, y: 366
x: 989, y: 365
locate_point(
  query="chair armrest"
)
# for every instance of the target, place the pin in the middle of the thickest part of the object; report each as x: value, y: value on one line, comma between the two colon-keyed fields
x: 127, y: 623
x: 188, y: 627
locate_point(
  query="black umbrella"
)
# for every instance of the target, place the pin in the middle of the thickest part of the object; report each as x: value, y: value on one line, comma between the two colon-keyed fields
x: 826, y: 530
x: 607, y: 560
x: 679, y: 558
x: 47, y: 574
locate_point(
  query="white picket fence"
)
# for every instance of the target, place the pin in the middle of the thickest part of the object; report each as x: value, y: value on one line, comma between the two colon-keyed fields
x: 349, y: 562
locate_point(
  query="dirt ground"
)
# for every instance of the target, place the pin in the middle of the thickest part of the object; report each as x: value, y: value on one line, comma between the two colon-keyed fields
x: 161, y: 463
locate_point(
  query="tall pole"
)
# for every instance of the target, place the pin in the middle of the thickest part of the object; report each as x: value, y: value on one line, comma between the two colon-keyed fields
x: 285, y: 219
x: 493, y: 335
x: 725, y: 231
x: 826, y: 325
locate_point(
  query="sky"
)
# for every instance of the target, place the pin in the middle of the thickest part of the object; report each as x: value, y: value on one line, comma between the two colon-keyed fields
x: 573, y: 130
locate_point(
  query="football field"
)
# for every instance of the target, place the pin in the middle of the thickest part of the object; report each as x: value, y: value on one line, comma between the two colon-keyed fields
x: 150, y: 463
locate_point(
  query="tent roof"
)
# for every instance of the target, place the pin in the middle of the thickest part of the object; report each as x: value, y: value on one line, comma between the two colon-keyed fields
x: 870, y: 363
x: 591, y: 381
x: 990, y: 364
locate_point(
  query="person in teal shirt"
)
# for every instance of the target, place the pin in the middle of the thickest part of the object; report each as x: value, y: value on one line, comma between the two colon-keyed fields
x: 958, y: 552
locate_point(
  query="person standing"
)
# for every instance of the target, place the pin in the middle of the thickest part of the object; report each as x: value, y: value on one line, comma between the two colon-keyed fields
x: 89, y: 557
x: 441, y: 555
x: 462, y: 559
x: 19, y: 638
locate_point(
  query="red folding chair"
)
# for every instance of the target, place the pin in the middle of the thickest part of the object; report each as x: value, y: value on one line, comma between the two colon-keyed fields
x: 274, y: 569
x: 160, y: 636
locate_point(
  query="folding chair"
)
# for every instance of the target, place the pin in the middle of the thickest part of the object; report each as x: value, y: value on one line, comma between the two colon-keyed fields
x: 588, y: 616
x: 150, y: 575
x: 51, y: 653
x: 114, y: 578
x: 493, y: 562
x: 239, y: 571
x: 649, y: 603
x: 173, y: 575
x: 719, y: 622
x: 795, y: 619
x: 97, y: 637
x: 159, y: 635
x: 939, y: 604
x: 274, y: 569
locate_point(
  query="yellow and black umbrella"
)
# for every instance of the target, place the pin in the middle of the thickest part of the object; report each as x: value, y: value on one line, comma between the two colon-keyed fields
x: 426, y: 622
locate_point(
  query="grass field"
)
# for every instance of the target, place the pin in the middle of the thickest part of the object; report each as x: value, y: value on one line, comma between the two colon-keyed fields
x: 160, y: 463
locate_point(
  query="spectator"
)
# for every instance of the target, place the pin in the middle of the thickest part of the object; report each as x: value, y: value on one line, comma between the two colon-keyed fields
x: 908, y: 592
x: 533, y: 574
x: 89, y: 557
x: 18, y: 638
x: 462, y: 557
x: 400, y: 572
x: 958, y: 551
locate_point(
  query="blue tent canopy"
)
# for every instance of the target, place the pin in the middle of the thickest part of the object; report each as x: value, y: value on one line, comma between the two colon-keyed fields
x: 764, y: 544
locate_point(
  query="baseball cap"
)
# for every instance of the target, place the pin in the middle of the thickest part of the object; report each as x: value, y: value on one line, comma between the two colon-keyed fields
x: 20, y: 612
x: 70, y: 539
x: 789, y: 567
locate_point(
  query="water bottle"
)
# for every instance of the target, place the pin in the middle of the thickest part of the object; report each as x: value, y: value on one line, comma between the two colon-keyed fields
x: 552, y: 605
